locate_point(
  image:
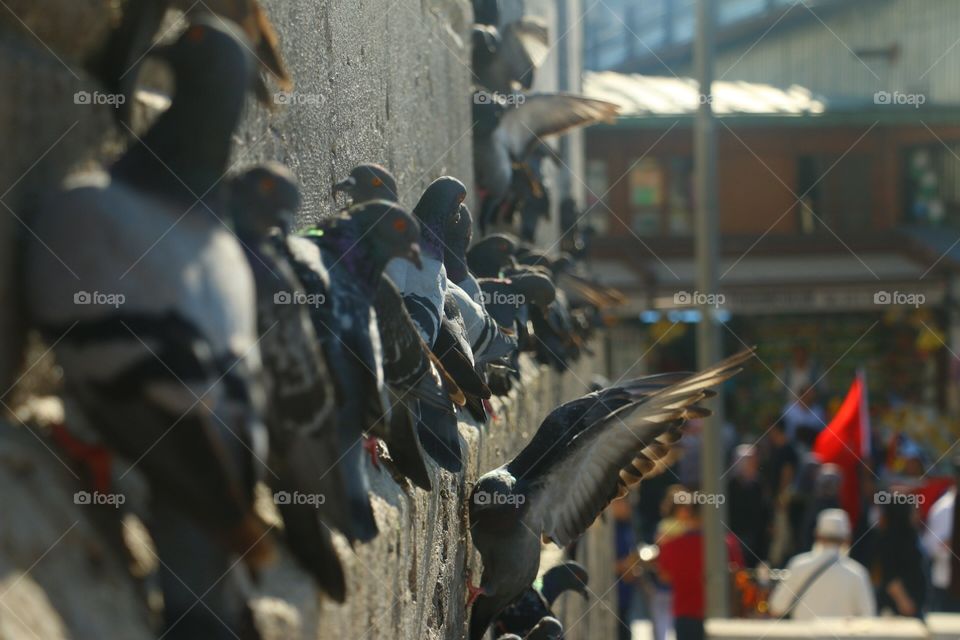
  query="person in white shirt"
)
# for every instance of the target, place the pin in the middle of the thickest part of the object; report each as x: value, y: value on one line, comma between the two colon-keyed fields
x: 824, y: 582
x: 936, y: 539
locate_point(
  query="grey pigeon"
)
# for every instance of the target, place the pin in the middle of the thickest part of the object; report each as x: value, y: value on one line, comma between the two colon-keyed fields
x: 586, y: 453
x: 368, y: 182
x: 301, y: 408
x: 504, y: 135
x: 423, y: 289
x: 150, y: 303
x: 534, y: 604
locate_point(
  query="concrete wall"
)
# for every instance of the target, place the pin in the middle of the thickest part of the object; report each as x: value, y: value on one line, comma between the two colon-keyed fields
x: 377, y: 80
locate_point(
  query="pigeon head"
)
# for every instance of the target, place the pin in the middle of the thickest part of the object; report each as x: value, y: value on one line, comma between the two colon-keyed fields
x: 368, y: 182
x: 509, y: 550
x: 490, y: 255
x: 264, y: 198
x: 388, y: 231
x: 439, y: 202
x: 184, y: 154
x: 537, y: 288
x: 547, y: 629
x: 566, y: 576
x: 458, y: 233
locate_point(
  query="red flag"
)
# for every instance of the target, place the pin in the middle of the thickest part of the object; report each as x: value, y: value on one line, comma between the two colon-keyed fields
x: 846, y: 443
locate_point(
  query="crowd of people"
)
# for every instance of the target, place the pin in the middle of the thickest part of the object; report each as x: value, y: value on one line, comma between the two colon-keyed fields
x: 796, y: 550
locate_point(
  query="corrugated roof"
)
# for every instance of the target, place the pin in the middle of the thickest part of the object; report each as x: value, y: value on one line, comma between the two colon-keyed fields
x: 640, y: 95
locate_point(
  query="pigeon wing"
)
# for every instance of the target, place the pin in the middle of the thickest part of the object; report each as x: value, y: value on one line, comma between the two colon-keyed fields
x: 590, y: 451
x: 544, y: 114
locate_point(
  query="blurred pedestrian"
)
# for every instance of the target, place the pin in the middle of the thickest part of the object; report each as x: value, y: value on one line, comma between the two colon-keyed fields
x: 826, y: 495
x: 625, y: 540
x: 937, y: 541
x: 804, y: 417
x: 749, y: 510
x: 898, y: 563
x: 681, y: 565
x: 824, y: 582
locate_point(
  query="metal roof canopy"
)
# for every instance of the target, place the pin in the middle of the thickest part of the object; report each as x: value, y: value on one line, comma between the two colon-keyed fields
x: 654, y: 101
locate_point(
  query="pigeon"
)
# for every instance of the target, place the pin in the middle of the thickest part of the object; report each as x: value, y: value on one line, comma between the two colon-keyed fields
x: 457, y: 238
x: 486, y: 11
x: 533, y: 605
x: 423, y: 289
x: 409, y: 364
x: 301, y: 398
x: 368, y: 182
x: 504, y: 60
x: 504, y: 135
x: 453, y: 350
x: 548, y: 628
x: 417, y: 378
x: 149, y: 302
x: 489, y: 256
x: 488, y: 341
x: 586, y: 453
x: 116, y: 66
x: 355, y: 247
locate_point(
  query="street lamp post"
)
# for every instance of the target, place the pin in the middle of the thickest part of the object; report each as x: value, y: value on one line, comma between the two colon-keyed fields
x: 708, y: 338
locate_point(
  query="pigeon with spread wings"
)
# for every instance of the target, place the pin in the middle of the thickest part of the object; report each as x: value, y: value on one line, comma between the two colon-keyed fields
x: 585, y: 454
x: 504, y: 135
x: 506, y: 59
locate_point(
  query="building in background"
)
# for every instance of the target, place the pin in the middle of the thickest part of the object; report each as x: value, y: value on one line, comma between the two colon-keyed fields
x: 839, y: 164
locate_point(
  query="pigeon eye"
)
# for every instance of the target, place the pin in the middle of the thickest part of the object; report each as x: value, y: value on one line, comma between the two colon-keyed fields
x: 196, y: 33
x: 267, y: 185
x: 400, y: 225
x: 376, y: 182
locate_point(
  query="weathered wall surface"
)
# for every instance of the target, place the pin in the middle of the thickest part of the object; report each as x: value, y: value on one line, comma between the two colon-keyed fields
x: 61, y: 575
x: 377, y: 80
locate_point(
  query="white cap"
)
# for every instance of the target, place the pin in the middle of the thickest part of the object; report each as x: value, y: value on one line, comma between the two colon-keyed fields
x: 833, y: 524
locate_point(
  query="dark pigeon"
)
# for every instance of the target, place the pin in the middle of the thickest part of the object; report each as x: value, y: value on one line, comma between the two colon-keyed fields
x: 301, y: 413
x: 452, y: 348
x: 423, y: 290
x: 548, y: 628
x: 355, y: 247
x: 586, y: 453
x: 368, y: 182
x: 490, y: 255
x: 148, y: 299
x: 534, y: 604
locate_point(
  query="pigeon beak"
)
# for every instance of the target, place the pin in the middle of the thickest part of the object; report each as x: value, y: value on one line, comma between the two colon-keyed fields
x: 346, y: 186
x: 414, y: 256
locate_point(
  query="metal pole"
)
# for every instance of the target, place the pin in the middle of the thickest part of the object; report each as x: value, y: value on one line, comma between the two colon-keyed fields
x: 708, y: 338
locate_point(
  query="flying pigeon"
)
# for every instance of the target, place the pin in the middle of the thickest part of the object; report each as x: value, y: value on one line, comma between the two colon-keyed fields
x: 586, y: 453
x: 423, y: 289
x: 368, y: 182
x: 301, y: 397
x: 149, y: 302
x: 504, y: 135
x: 534, y: 604
x: 354, y: 249
x: 504, y: 60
